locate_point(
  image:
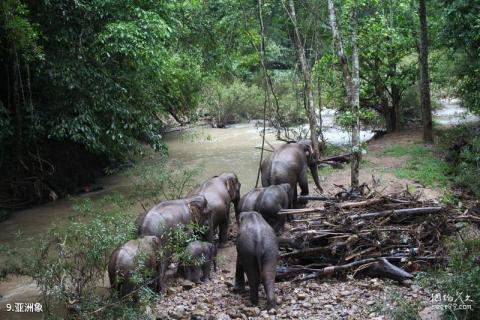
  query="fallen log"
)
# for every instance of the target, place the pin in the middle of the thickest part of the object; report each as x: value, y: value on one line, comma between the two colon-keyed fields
x: 397, y: 213
x: 338, y: 158
x: 315, y: 197
x: 305, y: 252
x: 364, y: 203
x: 383, y: 268
x: 377, y: 267
x: 300, y: 211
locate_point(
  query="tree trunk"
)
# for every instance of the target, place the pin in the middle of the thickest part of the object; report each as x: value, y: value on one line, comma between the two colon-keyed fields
x: 356, y: 156
x: 265, y: 77
x: 312, y: 119
x: 17, y: 111
x: 338, y: 45
x: 396, y: 97
x: 424, y: 79
x: 352, y: 83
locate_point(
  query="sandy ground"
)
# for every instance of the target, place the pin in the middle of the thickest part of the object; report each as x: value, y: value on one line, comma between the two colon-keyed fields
x: 315, y: 299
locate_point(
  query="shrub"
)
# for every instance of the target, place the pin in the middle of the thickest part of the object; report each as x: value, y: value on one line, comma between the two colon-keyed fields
x: 462, y: 145
x: 459, y: 280
x: 402, y: 309
x: 228, y: 103
x: 69, y: 260
x: 160, y: 180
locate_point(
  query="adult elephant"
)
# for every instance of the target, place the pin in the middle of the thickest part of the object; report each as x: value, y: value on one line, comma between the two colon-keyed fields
x: 168, y: 215
x: 220, y: 191
x: 289, y: 164
x: 268, y: 201
x: 257, y: 253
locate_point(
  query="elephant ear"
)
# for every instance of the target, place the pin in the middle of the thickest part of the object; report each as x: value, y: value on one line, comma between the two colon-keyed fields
x: 155, y: 240
x: 197, y: 206
x: 231, y: 186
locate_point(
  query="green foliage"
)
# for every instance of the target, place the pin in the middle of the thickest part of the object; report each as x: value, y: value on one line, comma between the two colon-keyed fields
x: 461, y: 23
x: 175, y: 241
x: 161, y: 180
x: 422, y: 165
x: 227, y: 103
x: 402, y: 309
x: 462, y: 145
x: 460, y: 278
x: 69, y: 260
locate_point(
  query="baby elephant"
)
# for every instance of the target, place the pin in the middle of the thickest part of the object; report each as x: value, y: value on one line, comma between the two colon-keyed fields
x: 257, y: 251
x: 127, y: 259
x: 200, y: 257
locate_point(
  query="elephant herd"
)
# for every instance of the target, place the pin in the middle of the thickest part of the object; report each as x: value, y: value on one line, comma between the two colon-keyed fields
x: 209, y: 205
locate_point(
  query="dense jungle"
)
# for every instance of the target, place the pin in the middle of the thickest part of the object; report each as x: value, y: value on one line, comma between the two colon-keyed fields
x: 239, y: 159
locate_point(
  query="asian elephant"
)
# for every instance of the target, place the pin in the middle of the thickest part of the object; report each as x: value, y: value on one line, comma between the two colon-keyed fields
x: 257, y: 253
x: 200, y: 257
x: 268, y: 201
x: 127, y: 259
x: 289, y: 164
x: 168, y: 215
x: 220, y: 191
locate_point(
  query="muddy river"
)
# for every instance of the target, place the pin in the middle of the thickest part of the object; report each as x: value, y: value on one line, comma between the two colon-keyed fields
x: 213, y: 150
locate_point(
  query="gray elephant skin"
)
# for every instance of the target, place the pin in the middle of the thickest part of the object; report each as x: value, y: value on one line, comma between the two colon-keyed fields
x: 289, y: 164
x: 125, y: 260
x: 167, y: 215
x: 257, y: 254
x: 268, y: 201
x: 220, y: 191
x: 201, y: 256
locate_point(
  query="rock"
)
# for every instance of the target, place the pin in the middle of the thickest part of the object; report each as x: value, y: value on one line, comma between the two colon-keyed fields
x: 187, y: 284
x: 172, y: 290
x: 199, y: 313
x: 344, y: 293
x: 177, y: 313
x: 251, y: 311
x: 301, y: 296
x: 223, y: 316
x: 232, y: 313
x: 162, y: 315
x: 279, y: 300
x: 430, y: 313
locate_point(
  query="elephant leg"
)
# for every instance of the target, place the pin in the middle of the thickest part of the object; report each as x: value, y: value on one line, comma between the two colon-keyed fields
x: 303, y: 182
x: 265, y: 180
x: 207, y: 266
x: 160, y: 275
x: 253, y: 282
x: 239, y: 278
x: 269, y: 286
x: 279, y: 224
x: 223, y: 233
x: 196, y: 274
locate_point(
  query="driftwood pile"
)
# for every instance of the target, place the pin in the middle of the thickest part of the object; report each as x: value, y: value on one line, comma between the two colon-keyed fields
x: 373, y: 235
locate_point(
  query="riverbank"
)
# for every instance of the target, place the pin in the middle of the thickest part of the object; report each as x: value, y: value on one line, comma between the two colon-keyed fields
x: 233, y: 149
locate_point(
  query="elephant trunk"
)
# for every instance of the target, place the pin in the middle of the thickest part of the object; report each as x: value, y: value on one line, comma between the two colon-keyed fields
x: 314, y: 170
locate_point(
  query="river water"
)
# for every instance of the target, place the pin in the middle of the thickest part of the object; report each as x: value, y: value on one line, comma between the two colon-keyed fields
x: 213, y: 150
